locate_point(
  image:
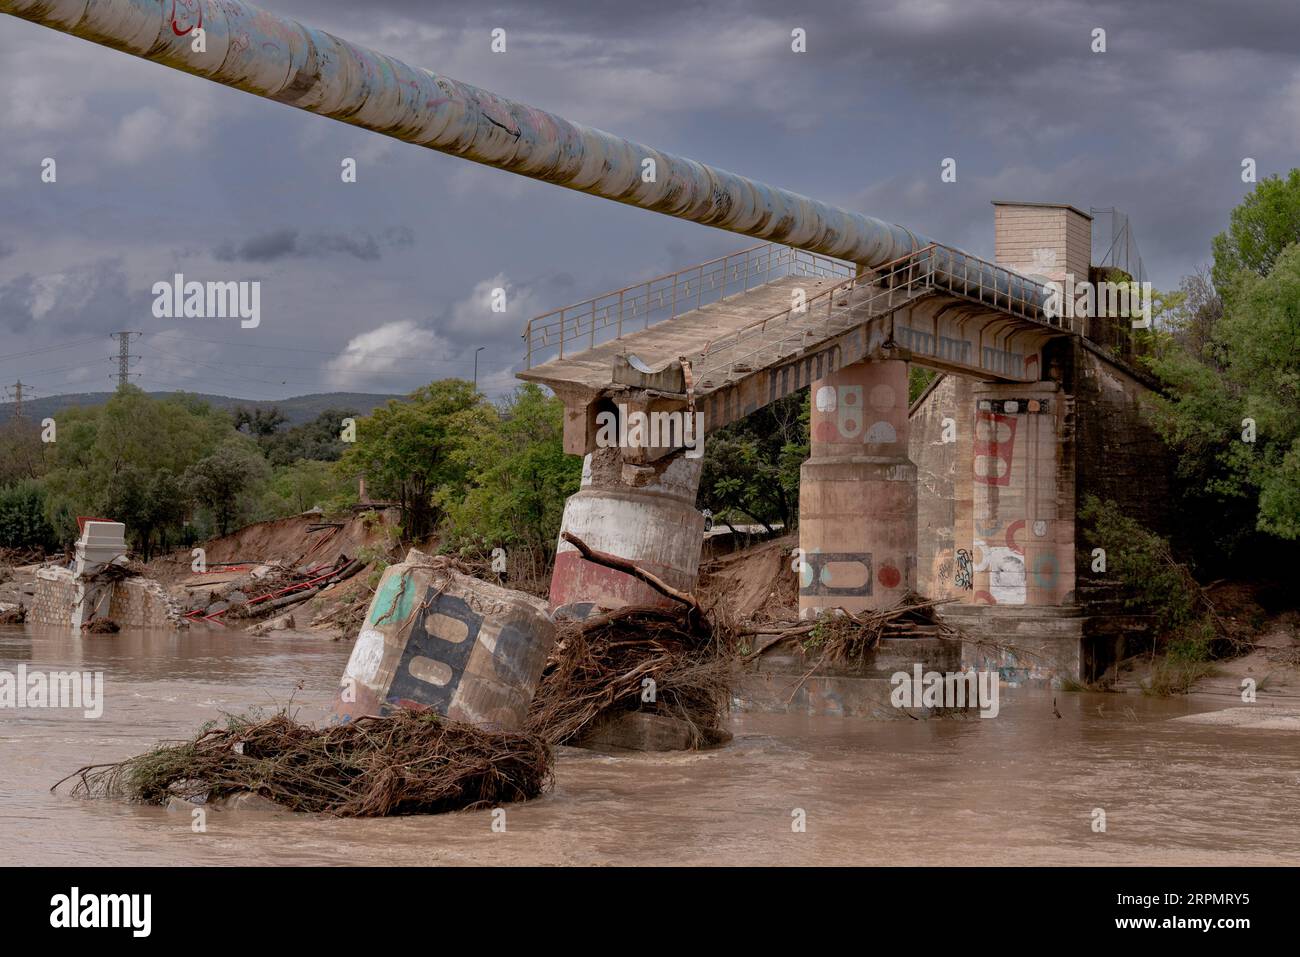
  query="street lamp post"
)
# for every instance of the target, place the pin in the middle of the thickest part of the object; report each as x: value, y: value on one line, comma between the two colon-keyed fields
x: 476, y: 352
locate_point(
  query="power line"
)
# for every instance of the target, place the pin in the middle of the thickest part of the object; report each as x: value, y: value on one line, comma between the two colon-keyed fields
x: 323, y: 352
x: 80, y: 365
x: 318, y: 369
x: 66, y: 345
x: 196, y: 383
x: 225, y: 370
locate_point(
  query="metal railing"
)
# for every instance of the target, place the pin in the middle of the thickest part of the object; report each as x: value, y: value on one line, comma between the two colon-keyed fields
x: 860, y: 298
x: 586, y: 324
x: 979, y: 280
x: 582, y: 326
x: 846, y: 303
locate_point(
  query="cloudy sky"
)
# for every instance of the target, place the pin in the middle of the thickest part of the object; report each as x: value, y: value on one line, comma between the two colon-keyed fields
x: 383, y: 285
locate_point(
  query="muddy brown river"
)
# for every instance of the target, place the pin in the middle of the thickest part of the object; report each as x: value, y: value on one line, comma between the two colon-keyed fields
x: 1017, y: 789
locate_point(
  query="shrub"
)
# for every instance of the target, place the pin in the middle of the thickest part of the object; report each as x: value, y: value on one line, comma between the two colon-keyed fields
x: 23, y: 523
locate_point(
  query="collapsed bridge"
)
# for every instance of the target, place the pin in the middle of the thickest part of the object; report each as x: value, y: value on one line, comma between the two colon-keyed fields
x: 832, y: 300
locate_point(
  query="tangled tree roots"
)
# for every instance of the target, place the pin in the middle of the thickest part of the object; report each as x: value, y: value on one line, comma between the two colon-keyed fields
x: 405, y: 763
x: 599, y: 667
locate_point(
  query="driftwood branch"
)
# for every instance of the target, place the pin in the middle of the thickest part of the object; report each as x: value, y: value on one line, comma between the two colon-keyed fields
x: 633, y: 569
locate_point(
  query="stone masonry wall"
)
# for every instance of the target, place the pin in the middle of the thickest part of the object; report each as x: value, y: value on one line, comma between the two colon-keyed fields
x: 134, y: 603
x: 143, y: 603
x: 56, y: 594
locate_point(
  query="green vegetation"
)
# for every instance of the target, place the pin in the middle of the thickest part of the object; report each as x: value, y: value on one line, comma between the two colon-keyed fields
x: 918, y: 380
x: 1229, y: 355
x: 751, y: 467
x: 221, y: 481
x: 176, y: 470
x: 316, y: 441
x: 408, y: 451
x: 23, y: 523
x: 516, y: 480
x: 1155, y: 583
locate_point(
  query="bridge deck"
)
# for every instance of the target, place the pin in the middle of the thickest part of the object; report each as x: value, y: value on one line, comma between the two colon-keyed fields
x: 751, y: 348
x: 690, y: 334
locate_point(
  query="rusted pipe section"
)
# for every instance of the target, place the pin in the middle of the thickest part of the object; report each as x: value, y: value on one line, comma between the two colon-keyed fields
x: 280, y: 59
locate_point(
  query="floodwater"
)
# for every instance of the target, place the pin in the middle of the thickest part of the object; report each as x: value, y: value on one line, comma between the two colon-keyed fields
x: 1017, y: 789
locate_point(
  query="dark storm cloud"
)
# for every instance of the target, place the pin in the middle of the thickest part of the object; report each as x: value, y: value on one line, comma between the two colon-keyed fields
x: 1156, y: 126
x: 85, y: 299
x: 291, y: 243
x: 999, y: 33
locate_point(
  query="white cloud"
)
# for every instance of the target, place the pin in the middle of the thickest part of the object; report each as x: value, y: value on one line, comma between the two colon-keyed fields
x: 382, y: 350
x: 45, y: 293
x: 33, y: 105
x: 474, y: 318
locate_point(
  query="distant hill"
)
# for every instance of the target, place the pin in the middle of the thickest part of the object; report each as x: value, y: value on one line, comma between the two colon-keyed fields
x: 298, y: 409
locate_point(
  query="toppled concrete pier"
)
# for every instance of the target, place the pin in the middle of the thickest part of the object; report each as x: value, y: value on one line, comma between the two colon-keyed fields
x: 437, y: 639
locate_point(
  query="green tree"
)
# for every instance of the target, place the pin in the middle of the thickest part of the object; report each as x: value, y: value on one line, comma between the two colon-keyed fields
x: 148, y: 504
x: 751, y: 467
x: 308, y: 483
x: 258, y: 422
x: 407, y: 451
x: 1232, y: 371
x: 222, y: 480
x: 111, y: 457
x: 318, y: 440
x: 22, y: 453
x: 1266, y: 223
x: 23, y: 523
x: 518, y: 476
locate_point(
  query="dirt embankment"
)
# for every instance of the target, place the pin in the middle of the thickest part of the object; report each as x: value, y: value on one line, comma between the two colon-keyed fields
x: 299, y: 541
x: 754, y: 580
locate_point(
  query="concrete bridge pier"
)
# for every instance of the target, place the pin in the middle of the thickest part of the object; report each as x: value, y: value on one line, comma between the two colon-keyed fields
x: 1023, y: 496
x: 857, y: 491
x: 1022, y: 536
x: 645, y: 513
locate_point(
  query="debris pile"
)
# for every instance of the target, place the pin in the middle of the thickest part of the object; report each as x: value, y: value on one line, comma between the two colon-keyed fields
x: 843, y: 637
x: 17, y: 586
x: 648, y: 659
x: 405, y: 763
x: 259, y: 591
x: 673, y: 661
